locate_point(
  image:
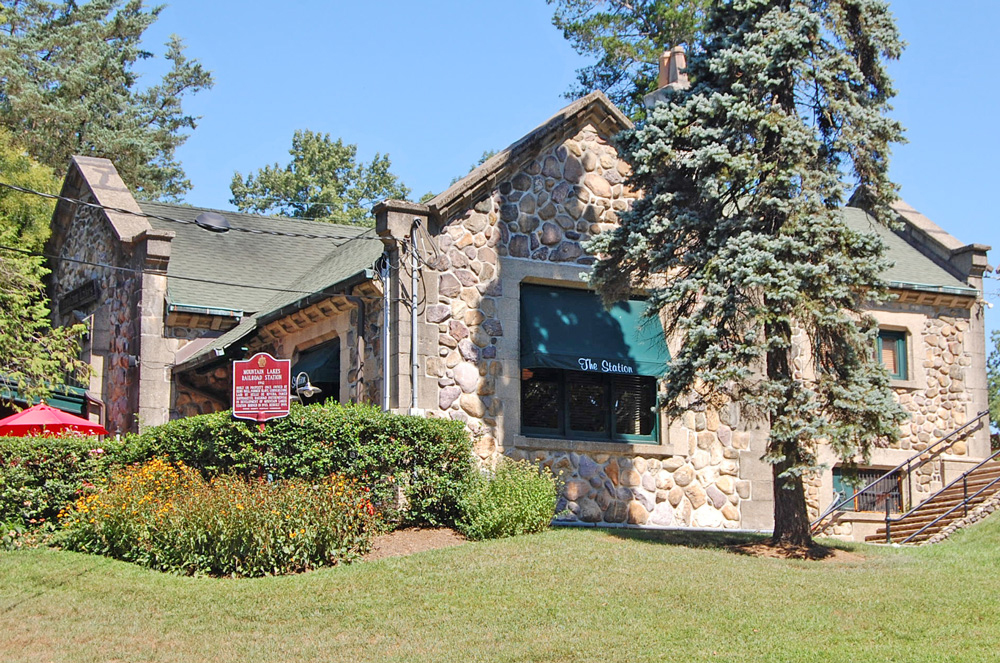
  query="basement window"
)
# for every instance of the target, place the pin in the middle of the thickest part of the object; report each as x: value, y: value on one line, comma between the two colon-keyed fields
x: 846, y: 482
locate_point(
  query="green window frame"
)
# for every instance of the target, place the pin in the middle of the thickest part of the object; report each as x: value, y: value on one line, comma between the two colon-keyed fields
x: 562, y: 404
x: 892, y: 353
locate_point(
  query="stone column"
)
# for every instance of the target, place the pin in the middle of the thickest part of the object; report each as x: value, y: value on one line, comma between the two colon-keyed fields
x: 155, y: 355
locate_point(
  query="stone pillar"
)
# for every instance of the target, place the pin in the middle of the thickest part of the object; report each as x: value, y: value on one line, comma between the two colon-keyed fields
x: 155, y: 356
x: 394, y: 221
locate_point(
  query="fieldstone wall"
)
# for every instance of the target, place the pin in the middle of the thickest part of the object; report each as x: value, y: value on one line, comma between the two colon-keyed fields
x: 115, y: 336
x: 945, y: 403
x: 938, y: 398
x: 542, y: 214
x: 365, y: 376
x: 700, y: 486
x: 202, y: 394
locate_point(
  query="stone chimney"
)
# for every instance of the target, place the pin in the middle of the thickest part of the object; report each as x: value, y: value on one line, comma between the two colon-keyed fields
x: 673, y: 76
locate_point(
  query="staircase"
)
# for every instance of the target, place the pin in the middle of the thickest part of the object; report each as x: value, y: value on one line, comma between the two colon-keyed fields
x: 951, y: 503
x: 923, y: 520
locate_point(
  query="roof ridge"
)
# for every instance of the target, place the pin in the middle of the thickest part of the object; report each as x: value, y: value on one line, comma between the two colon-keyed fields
x: 268, y: 217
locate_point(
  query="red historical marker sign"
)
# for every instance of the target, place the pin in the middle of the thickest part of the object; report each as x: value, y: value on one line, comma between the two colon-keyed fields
x: 261, y: 387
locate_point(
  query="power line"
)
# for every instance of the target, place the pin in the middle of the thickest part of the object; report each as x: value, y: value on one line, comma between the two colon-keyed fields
x: 253, y: 231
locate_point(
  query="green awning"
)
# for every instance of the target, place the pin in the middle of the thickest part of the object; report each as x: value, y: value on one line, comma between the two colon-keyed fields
x: 65, y: 398
x: 322, y: 364
x: 570, y: 329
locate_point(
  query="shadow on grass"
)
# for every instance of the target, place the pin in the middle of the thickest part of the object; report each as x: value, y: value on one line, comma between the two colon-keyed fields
x: 740, y: 543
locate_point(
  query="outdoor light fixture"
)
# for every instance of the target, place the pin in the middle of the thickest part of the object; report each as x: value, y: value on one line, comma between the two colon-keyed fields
x: 213, y: 222
x: 302, y: 388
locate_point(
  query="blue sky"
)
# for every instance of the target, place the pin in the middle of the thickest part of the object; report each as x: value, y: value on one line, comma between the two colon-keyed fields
x: 435, y: 83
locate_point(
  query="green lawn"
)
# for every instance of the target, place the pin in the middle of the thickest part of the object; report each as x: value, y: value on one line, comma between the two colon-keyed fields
x: 566, y: 595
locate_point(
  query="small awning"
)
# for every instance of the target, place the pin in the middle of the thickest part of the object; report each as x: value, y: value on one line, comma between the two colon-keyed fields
x: 322, y: 364
x: 570, y: 329
x: 65, y: 398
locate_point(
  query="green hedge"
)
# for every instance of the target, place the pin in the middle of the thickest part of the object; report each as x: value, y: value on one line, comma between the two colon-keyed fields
x: 41, y: 475
x: 426, y: 461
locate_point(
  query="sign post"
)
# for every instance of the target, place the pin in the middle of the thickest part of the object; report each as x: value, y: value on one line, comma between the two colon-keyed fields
x: 261, y: 388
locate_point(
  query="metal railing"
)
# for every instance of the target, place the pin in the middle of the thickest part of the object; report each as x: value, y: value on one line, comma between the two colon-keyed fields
x: 907, y: 468
x: 964, y: 504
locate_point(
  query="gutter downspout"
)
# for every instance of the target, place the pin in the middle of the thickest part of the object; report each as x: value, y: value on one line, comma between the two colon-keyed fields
x: 385, y: 272
x: 414, y: 361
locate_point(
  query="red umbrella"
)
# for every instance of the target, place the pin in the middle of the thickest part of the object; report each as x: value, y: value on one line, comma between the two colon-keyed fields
x: 44, y: 420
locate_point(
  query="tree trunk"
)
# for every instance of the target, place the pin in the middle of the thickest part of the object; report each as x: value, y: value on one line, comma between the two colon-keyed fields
x: 791, y: 518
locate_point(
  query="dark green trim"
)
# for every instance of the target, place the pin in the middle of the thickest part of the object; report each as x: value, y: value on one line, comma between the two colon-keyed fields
x: 66, y: 398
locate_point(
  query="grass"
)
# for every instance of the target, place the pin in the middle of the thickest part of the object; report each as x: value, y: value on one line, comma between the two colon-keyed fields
x: 565, y: 595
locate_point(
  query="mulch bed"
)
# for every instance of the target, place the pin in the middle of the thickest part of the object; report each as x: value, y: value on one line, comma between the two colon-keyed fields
x: 813, y: 553
x: 413, y: 540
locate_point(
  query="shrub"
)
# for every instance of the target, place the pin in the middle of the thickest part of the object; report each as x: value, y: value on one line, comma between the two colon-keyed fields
x: 518, y: 498
x: 422, y: 463
x: 41, y: 475
x: 166, y: 516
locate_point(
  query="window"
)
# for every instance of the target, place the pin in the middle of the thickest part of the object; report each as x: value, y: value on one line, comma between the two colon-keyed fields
x: 574, y: 404
x: 892, y: 353
x: 847, y: 482
x: 586, y: 372
x: 322, y: 364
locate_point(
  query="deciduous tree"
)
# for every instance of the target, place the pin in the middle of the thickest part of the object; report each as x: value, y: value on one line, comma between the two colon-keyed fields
x: 68, y: 86
x: 738, y: 237
x: 33, y: 356
x: 324, y: 181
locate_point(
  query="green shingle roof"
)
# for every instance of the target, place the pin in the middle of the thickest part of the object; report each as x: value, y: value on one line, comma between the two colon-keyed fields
x: 911, y: 267
x: 215, y: 268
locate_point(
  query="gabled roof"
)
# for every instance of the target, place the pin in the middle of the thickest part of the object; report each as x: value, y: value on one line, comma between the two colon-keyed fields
x: 911, y: 269
x: 595, y: 108
x: 251, y: 271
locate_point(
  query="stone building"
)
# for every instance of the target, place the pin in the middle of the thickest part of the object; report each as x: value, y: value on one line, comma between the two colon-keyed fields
x: 473, y: 307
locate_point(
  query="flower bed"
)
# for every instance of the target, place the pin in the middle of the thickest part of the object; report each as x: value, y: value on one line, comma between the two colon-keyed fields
x: 166, y: 516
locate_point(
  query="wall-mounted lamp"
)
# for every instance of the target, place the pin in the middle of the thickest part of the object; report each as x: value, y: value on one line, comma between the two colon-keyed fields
x: 302, y: 388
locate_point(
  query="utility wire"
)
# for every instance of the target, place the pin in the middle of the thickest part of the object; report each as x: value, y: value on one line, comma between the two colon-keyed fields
x: 254, y: 231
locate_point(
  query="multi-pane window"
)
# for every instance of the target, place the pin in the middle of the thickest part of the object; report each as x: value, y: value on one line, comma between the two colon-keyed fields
x: 574, y: 404
x: 892, y: 353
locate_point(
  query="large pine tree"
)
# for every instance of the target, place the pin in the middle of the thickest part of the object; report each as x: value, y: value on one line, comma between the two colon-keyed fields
x: 68, y: 85
x: 737, y: 233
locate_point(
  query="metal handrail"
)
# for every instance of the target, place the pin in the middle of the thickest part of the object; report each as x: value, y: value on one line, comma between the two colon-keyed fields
x: 925, y: 451
x: 964, y: 503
